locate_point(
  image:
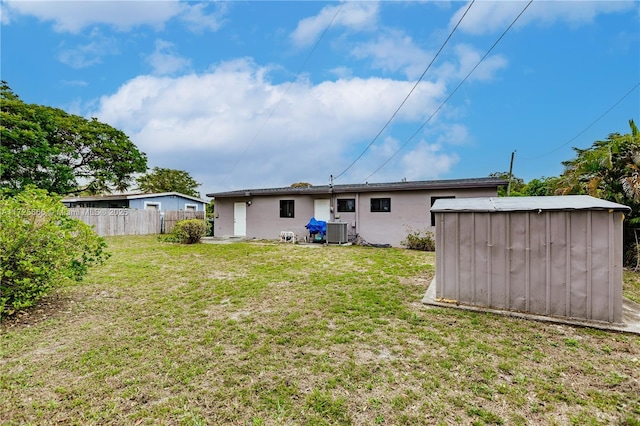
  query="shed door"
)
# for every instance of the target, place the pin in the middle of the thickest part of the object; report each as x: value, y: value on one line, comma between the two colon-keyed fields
x: 240, y: 219
x: 321, y: 210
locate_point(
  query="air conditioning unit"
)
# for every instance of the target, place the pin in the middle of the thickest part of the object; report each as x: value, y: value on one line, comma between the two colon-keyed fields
x: 336, y: 232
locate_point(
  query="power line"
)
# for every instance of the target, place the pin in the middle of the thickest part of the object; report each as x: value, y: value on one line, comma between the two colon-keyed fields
x: 295, y: 78
x: 452, y: 93
x: 409, y: 94
x: 588, y: 127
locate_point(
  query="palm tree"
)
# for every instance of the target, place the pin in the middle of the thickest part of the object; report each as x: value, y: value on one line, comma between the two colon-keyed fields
x: 609, y: 169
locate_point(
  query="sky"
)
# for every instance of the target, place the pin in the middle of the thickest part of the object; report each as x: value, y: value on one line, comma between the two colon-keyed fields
x: 263, y: 94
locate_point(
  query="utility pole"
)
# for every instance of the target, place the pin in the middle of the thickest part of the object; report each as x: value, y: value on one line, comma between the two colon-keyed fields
x: 510, y: 173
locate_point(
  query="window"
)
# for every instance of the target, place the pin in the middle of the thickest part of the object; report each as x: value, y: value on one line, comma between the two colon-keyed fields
x: 433, y: 215
x: 191, y: 207
x: 381, y: 205
x: 286, y: 208
x: 151, y: 206
x: 346, y: 205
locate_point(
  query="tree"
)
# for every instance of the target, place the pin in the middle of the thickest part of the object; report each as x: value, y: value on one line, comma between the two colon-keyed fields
x: 517, y: 184
x: 541, y: 187
x: 301, y: 185
x: 25, y: 155
x: 210, y: 208
x: 609, y: 169
x: 61, y: 152
x: 168, y: 180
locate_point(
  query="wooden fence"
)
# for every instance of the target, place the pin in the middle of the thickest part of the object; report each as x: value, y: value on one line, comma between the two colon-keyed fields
x: 111, y: 222
x: 173, y: 216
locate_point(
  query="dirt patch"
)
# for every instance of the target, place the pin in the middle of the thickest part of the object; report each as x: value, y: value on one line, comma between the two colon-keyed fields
x: 57, y: 304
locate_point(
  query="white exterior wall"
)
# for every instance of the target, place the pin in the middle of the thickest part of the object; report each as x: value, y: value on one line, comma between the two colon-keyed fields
x: 410, y: 210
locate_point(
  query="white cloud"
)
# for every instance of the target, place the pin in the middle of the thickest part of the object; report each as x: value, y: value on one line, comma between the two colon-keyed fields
x: 342, y: 72
x: 165, y: 61
x: 5, y: 14
x: 427, y: 161
x: 394, y: 51
x: 76, y: 83
x: 198, y: 20
x: 90, y: 53
x: 234, y: 115
x: 355, y: 16
x: 466, y: 58
x: 495, y: 16
x: 73, y: 16
x: 390, y: 161
x: 454, y: 134
x: 378, y: 164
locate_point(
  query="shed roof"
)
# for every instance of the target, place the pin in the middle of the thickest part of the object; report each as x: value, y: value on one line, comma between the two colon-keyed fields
x: 127, y: 196
x: 506, y: 204
x: 487, y: 182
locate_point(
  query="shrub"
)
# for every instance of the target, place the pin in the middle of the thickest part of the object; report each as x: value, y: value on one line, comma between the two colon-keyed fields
x: 41, y: 247
x: 189, y: 231
x: 420, y: 240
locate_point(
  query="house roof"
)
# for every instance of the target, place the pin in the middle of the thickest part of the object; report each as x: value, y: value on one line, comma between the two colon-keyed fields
x: 129, y: 196
x: 512, y: 204
x: 487, y: 182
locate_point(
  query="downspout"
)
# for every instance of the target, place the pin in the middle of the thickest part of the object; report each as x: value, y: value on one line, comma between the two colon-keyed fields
x: 332, y: 207
x: 355, y: 225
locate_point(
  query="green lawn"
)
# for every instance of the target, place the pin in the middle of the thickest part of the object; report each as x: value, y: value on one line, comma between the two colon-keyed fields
x: 260, y: 333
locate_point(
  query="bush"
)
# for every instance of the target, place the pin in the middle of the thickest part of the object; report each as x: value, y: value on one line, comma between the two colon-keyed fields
x: 420, y: 240
x: 41, y: 247
x: 189, y: 231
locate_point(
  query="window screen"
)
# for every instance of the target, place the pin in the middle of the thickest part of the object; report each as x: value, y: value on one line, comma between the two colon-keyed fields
x: 381, y: 205
x: 346, y: 205
x: 287, y: 208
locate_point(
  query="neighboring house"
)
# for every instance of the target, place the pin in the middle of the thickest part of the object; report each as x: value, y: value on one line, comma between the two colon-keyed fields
x: 380, y: 213
x: 161, y: 201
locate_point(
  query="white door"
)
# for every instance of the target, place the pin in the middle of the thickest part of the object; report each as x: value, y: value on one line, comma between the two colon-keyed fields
x: 321, y: 210
x: 240, y: 219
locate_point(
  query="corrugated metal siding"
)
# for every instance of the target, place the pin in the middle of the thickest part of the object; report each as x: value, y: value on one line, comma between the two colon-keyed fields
x: 504, y: 204
x: 557, y: 263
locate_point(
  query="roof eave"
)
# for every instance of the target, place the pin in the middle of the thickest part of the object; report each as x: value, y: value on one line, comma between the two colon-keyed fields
x: 342, y: 189
x: 122, y: 197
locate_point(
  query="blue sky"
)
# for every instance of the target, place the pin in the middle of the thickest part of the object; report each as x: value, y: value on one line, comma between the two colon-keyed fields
x: 264, y: 94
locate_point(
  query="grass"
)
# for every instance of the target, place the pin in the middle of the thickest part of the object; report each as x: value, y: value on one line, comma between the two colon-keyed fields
x: 268, y: 334
x: 631, y: 285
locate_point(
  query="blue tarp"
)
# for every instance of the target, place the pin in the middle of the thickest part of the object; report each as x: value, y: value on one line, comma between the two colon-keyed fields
x: 317, y: 226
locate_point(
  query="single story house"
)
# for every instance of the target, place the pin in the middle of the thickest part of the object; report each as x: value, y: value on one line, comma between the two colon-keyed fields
x: 379, y: 213
x: 163, y: 201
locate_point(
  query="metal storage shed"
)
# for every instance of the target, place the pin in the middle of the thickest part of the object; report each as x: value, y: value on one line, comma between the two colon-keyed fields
x: 557, y: 256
